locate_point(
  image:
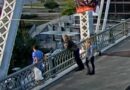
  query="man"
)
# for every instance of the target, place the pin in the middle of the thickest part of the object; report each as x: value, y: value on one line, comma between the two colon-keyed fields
x: 37, y: 56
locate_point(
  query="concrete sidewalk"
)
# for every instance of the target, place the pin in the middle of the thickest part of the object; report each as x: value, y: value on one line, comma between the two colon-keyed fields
x: 112, y: 72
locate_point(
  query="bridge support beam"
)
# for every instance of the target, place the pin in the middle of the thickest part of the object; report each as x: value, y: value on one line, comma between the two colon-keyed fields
x: 9, y: 23
x: 86, y: 25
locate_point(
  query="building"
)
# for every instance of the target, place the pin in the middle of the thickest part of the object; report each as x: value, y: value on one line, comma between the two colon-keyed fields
x: 119, y: 9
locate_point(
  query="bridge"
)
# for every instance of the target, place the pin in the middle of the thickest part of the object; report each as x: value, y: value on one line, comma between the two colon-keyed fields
x: 112, y: 67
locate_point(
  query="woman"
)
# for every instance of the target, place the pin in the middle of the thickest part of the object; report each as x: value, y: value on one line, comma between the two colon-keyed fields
x: 90, y: 58
x: 69, y: 44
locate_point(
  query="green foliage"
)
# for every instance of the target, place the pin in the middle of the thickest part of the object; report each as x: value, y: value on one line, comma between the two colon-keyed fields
x: 29, y: 16
x: 22, y: 51
x: 69, y: 7
x: 68, y: 11
x: 51, y: 4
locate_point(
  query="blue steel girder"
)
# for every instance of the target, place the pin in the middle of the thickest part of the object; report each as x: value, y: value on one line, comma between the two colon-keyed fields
x: 9, y: 22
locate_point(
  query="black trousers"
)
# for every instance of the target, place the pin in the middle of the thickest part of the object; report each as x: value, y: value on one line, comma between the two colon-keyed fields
x: 92, y: 64
x: 78, y: 59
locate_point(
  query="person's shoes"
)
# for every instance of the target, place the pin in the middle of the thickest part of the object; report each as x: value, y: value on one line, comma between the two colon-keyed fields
x: 83, y: 68
x: 88, y: 73
x: 92, y: 73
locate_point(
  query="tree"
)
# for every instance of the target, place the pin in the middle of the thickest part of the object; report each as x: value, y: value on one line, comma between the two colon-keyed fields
x: 21, y: 55
x: 51, y: 4
x: 69, y: 7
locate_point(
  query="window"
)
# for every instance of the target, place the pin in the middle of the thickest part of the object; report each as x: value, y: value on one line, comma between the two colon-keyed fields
x: 119, y: 8
x: 77, y: 20
x: 112, y: 8
x: 127, y: 8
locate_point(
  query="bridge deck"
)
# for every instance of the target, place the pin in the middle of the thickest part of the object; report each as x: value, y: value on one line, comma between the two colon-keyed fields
x: 112, y: 72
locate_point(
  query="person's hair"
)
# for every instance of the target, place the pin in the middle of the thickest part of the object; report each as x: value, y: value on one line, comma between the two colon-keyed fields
x: 89, y: 40
x: 66, y: 37
x: 35, y: 46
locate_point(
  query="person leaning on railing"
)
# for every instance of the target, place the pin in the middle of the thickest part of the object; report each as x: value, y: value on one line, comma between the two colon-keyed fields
x: 70, y: 45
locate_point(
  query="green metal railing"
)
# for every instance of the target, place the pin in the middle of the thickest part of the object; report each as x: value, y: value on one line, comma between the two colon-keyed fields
x: 24, y: 79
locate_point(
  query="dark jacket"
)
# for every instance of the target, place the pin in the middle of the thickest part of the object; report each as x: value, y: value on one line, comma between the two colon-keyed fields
x: 71, y: 45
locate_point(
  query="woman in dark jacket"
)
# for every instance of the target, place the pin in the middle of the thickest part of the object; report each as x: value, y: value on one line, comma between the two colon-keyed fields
x: 69, y: 44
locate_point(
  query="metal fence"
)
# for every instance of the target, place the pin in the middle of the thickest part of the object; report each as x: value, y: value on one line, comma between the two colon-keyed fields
x: 24, y: 79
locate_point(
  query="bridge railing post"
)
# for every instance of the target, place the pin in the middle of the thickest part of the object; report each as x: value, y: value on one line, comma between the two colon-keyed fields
x: 125, y: 29
x: 111, y: 36
x: 52, y: 66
